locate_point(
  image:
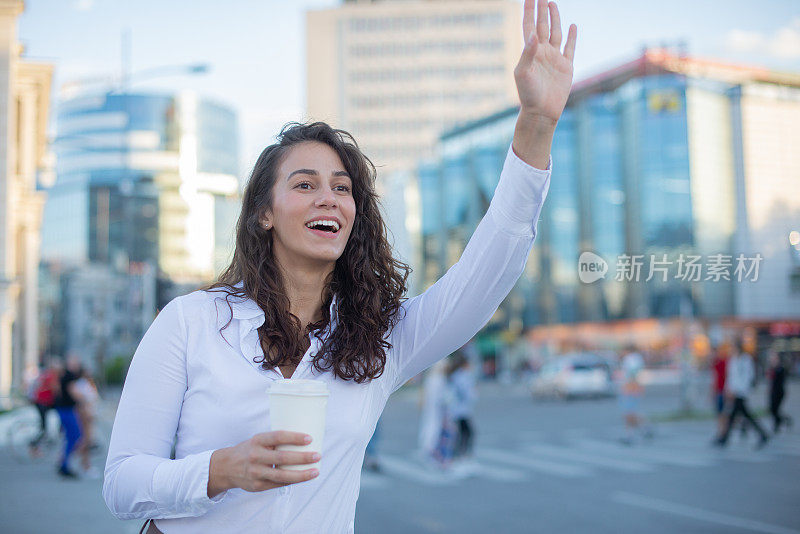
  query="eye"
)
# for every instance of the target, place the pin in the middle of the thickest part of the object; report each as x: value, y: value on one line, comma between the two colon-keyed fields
x: 304, y: 185
x: 343, y: 188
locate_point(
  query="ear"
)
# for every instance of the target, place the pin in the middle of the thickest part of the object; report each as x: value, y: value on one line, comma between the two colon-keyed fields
x: 266, y: 220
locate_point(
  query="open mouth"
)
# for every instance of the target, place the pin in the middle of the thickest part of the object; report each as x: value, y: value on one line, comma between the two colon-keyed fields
x: 327, y: 228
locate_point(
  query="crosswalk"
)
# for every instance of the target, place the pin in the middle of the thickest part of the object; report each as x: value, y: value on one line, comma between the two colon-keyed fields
x: 579, y: 456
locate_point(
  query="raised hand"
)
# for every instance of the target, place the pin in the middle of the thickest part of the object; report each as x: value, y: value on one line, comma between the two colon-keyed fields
x: 544, y: 73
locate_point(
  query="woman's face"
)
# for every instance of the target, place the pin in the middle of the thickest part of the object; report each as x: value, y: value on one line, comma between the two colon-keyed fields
x: 313, y: 209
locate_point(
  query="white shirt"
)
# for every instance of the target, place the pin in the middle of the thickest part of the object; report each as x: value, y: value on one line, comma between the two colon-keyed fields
x: 632, y: 365
x: 186, y: 379
x: 739, y: 375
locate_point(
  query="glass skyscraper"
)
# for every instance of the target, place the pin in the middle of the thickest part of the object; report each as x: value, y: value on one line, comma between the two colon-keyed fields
x: 143, y: 208
x: 647, y: 162
x: 144, y: 178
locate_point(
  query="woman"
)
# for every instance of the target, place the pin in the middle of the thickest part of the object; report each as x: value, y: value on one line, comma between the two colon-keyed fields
x: 320, y: 303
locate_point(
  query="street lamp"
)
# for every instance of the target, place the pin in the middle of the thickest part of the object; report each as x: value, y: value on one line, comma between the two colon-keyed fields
x: 68, y: 89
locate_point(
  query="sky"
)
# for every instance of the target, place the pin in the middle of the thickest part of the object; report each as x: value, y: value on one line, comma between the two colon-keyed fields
x: 256, y: 48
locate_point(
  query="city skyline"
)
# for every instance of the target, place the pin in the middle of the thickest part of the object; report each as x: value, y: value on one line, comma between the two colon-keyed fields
x: 272, y: 36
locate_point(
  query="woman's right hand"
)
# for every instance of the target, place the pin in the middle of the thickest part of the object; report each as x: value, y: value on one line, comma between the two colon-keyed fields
x: 253, y: 465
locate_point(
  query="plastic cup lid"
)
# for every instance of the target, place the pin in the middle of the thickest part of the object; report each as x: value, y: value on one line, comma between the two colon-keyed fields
x: 298, y: 386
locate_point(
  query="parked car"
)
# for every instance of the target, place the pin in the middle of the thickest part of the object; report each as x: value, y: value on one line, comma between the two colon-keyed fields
x: 582, y: 374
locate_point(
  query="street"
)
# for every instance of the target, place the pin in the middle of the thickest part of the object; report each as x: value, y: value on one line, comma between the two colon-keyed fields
x: 540, y: 467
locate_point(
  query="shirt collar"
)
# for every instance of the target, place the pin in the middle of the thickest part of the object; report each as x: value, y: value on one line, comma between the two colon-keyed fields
x: 246, y: 309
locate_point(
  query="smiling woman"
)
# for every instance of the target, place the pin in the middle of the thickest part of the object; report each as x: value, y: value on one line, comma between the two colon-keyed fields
x: 313, y: 292
x: 316, y: 177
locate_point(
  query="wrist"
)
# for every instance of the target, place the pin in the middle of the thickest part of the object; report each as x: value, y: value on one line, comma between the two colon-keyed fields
x: 536, y: 121
x: 218, y: 480
x: 533, y: 140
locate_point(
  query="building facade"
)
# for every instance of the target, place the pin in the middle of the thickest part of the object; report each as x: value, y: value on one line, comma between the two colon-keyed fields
x: 147, y: 187
x: 24, y: 109
x: 678, y: 173
x: 144, y: 178
x: 396, y: 73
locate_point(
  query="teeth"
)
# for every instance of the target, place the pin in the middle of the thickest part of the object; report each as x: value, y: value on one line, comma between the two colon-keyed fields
x: 324, y: 222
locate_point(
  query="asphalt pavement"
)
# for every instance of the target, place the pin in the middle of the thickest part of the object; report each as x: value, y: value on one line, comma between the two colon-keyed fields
x: 540, y: 466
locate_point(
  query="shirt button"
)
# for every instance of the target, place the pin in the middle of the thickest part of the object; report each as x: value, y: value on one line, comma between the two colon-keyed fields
x: 284, y: 490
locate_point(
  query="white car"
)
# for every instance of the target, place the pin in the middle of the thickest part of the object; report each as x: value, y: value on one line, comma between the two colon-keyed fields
x: 574, y: 375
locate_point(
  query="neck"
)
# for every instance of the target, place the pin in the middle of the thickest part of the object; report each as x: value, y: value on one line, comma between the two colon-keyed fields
x: 305, y: 288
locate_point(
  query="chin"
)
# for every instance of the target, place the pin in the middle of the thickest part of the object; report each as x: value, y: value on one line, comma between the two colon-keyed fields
x: 331, y: 256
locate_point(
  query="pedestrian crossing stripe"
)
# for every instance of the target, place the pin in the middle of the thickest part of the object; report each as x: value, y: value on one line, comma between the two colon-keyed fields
x: 536, y: 464
x: 630, y: 466
x: 580, y: 457
x: 651, y: 454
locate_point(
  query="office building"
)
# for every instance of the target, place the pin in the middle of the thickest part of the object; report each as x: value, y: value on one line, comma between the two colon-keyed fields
x: 144, y: 178
x: 680, y: 173
x: 396, y: 73
x: 24, y: 110
x: 147, y: 191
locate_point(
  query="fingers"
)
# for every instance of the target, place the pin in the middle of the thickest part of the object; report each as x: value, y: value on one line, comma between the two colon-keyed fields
x: 285, y: 476
x: 282, y: 437
x: 542, y: 27
x: 555, y: 25
x: 528, y: 20
x: 264, y: 478
x: 569, y: 48
x: 291, y: 458
x: 528, y: 53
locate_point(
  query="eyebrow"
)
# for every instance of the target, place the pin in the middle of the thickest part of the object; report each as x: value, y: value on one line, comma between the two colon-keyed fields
x: 312, y: 172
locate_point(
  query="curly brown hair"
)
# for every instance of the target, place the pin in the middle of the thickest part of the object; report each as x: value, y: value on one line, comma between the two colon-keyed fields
x: 368, y: 282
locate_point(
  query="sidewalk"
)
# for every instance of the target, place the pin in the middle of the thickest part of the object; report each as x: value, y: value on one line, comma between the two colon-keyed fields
x: 36, y: 500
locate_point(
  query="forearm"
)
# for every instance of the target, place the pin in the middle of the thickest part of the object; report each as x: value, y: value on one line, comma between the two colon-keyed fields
x: 533, y: 139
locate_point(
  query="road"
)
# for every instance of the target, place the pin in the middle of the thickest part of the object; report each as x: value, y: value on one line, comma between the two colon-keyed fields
x: 540, y: 467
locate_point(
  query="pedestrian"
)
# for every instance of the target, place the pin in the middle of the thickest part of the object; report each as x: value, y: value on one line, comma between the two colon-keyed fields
x: 46, y: 388
x: 739, y: 381
x: 718, y: 371
x: 462, y: 385
x: 65, y: 405
x: 632, y: 391
x: 434, y: 426
x: 314, y: 292
x: 777, y: 391
x: 86, y: 410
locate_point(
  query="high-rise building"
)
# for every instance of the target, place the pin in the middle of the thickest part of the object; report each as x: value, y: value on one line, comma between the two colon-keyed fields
x: 144, y: 178
x: 396, y: 73
x: 24, y: 109
x: 681, y: 174
x: 147, y: 189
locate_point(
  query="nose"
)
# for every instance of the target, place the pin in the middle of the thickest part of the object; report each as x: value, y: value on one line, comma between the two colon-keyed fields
x: 325, y: 198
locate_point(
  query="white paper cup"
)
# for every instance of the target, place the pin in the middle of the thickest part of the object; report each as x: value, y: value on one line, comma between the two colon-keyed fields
x: 299, y: 405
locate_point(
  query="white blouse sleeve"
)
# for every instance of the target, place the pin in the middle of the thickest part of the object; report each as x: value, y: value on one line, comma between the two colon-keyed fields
x: 141, y: 481
x: 451, y: 311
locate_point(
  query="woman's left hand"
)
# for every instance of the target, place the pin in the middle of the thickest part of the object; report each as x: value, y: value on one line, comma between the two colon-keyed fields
x: 544, y: 74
